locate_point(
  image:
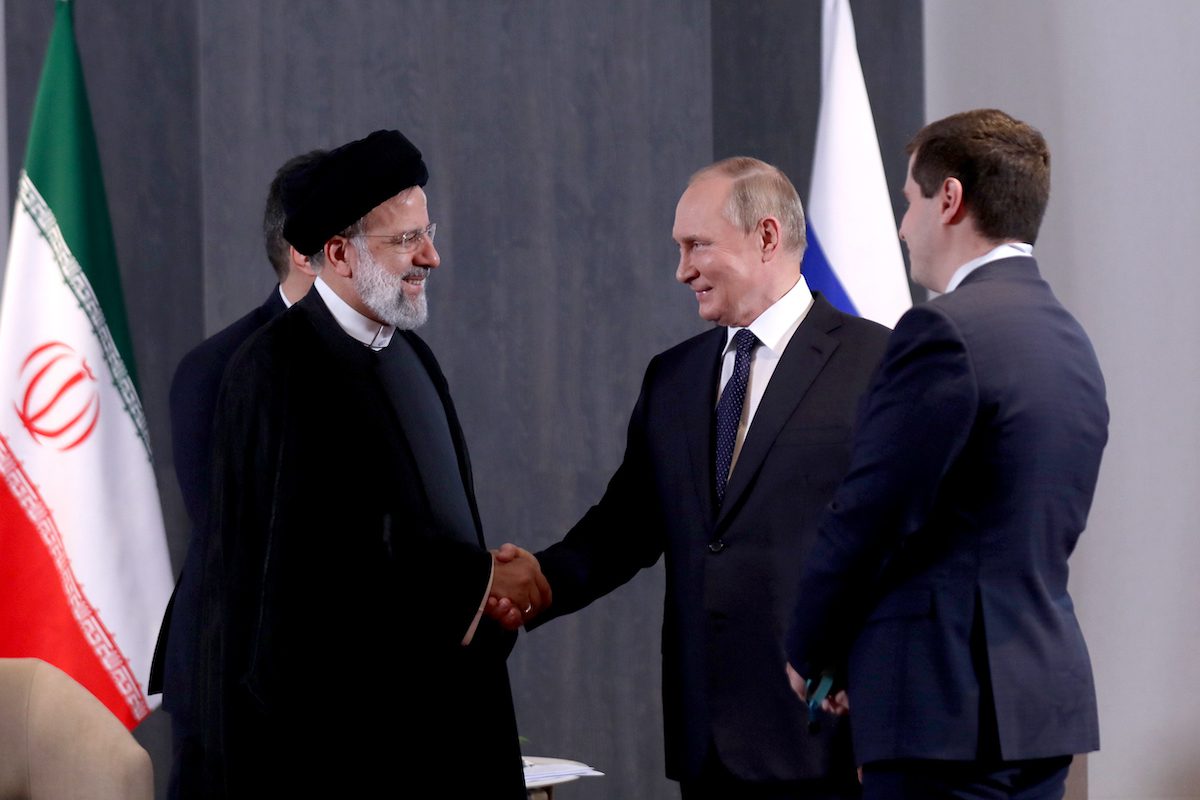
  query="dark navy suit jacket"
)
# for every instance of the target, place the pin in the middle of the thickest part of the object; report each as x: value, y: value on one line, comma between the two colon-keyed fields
x: 193, y: 404
x: 939, y: 579
x: 730, y: 571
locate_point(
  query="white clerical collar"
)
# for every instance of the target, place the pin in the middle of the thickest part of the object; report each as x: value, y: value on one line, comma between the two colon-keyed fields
x: 1006, y: 250
x: 374, y: 335
x: 775, y: 325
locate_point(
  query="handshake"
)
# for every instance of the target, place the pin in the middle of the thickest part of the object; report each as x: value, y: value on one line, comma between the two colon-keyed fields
x: 519, y: 589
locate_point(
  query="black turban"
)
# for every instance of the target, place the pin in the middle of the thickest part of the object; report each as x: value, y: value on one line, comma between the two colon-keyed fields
x: 327, y: 196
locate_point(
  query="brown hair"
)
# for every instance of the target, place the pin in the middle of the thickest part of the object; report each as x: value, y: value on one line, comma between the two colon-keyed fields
x: 1002, y: 163
x: 278, y: 250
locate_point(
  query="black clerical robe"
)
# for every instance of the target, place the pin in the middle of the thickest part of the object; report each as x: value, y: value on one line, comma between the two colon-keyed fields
x: 334, y: 604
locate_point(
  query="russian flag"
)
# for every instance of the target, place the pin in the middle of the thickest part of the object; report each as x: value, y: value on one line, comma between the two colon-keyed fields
x: 853, y: 254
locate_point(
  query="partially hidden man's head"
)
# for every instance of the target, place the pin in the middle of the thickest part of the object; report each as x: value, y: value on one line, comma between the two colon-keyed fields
x: 740, y: 230
x: 361, y: 216
x: 278, y: 250
x: 1002, y: 163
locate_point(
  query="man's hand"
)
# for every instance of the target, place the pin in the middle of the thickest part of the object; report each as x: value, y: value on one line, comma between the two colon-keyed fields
x: 838, y: 704
x: 519, y: 590
x: 797, y: 684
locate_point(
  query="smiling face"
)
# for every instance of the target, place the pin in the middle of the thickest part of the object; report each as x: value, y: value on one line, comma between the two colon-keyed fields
x: 389, y: 282
x: 719, y: 262
x: 389, y: 294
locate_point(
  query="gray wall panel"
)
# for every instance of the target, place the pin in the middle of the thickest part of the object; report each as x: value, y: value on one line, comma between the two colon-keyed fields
x: 767, y: 82
x: 558, y: 139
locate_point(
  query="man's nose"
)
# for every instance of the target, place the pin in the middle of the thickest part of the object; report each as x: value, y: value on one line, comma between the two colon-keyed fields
x: 685, y: 271
x: 427, y: 255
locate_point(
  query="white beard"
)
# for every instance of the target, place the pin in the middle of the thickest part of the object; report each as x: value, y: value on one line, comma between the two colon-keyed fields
x: 383, y: 291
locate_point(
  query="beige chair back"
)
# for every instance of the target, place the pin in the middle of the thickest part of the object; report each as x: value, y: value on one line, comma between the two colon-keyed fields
x: 58, y: 742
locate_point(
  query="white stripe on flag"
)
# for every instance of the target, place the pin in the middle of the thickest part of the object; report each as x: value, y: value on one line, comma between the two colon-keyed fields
x: 848, y: 207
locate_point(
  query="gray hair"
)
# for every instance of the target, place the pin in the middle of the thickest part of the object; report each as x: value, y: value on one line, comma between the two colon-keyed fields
x: 760, y: 190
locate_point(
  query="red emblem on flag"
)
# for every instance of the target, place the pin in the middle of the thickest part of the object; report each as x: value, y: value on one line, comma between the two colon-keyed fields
x: 60, y: 402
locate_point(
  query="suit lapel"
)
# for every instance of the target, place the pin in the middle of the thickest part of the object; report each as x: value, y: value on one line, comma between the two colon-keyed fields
x: 802, y: 361
x: 697, y: 406
x: 273, y: 306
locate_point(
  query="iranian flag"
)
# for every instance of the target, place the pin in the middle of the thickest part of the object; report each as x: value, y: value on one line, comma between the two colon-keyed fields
x: 84, y: 572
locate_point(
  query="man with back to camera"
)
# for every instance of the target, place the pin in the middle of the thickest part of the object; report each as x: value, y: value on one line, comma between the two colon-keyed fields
x: 938, y: 585
x: 342, y: 496
x: 193, y: 402
x: 739, y: 433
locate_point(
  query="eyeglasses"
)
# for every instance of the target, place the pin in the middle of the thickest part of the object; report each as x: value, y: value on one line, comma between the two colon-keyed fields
x: 409, y: 241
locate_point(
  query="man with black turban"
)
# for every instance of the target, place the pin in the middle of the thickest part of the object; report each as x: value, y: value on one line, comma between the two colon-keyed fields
x: 343, y: 500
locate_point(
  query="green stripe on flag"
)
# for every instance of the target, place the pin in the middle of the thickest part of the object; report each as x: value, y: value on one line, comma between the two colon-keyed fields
x: 64, y: 165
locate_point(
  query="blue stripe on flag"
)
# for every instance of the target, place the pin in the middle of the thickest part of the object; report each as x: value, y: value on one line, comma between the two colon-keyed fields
x: 820, y: 277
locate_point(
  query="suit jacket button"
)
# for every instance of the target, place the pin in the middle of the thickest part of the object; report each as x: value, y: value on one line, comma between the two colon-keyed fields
x: 717, y: 546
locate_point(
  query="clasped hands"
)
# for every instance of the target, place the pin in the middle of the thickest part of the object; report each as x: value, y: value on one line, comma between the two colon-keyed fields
x: 519, y: 589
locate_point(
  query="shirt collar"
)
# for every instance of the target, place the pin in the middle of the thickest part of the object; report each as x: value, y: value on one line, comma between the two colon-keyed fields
x: 773, y: 325
x: 1006, y: 250
x: 373, y: 334
x: 286, y: 303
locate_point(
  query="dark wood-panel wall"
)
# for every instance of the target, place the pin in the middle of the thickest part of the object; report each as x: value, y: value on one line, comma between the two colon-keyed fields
x: 559, y: 135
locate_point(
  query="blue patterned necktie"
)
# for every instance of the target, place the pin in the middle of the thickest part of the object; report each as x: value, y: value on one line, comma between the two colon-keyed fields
x: 729, y: 408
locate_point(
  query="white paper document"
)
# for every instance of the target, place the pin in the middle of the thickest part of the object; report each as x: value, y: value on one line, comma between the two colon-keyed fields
x: 541, y: 771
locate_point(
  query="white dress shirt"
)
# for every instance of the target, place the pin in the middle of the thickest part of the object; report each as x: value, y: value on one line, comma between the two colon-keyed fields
x: 374, y: 335
x: 773, y: 329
